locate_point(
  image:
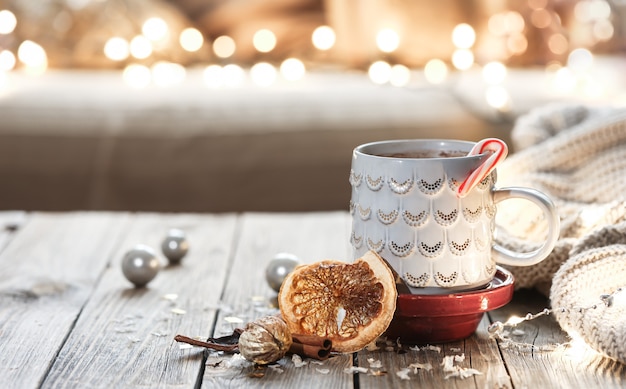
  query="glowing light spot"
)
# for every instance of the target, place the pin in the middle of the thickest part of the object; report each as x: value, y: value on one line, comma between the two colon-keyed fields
x: 264, y: 41
x: 33, y: 56
x: 292, y: 69
x: 603, y: 30
x: 191, y: 39
x: 436, y: 71
x: 498, y: 98
x: 558, y: 44
x: 8, y: 21
x: 224, y: 46
x: 515, y: 22
x: 212, y: 76
x: 564, y: 81
x: 517, y: 43
x: 580, y: 60
x: 137, y: 76
x: 140, y: 47
x: 599, y: 10
x: 387, y: 40
x: 167, y: 74
x: 7, y: 60
x: 116, y: 49
x: 497, y: 25
x: 155, y: 29
x: 379, y: 72
x: 323, y: 38
x: 263, y: 74
x: 400, y: 75
x: 233, y: 75
x: 463, y: 36
x: 462, y: 59
x: 494, y: 72
x: 541, y: 18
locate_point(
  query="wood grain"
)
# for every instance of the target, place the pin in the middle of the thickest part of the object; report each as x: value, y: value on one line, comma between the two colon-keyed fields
x: 69, y: 318
x: 124, y: 336
x: 477, y: 352
x: 47, y: 273
x: 570, y: 365
x: 311, y: 237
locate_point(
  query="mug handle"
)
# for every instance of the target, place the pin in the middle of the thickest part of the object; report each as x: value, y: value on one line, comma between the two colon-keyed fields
x: 505, y: 256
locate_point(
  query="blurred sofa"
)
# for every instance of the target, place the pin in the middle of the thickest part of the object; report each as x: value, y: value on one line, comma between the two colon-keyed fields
x: 84, y: 140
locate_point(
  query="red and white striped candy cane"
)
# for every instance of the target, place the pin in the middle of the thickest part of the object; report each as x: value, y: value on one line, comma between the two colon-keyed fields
x: 498, y: 150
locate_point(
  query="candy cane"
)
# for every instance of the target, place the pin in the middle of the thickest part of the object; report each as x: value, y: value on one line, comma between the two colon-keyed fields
x: 498, y: 150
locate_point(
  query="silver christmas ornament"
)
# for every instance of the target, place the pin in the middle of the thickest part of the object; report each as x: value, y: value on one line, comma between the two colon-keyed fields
x: 175, y: 245
x: 278, y: 268
x: 140, y: 265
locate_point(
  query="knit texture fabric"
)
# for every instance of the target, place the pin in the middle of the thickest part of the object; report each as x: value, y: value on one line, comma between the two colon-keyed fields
x: 577, y: 156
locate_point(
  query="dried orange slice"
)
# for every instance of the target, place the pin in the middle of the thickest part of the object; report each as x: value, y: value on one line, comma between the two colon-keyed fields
x: 352, y: 304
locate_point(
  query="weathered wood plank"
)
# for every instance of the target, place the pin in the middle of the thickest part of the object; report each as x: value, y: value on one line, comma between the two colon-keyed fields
x: 569, y: 366
x: 312, y: 237
x: 10, y: 222
x: 477, y: 352
x: 47, y: 273
x: 124, y: 336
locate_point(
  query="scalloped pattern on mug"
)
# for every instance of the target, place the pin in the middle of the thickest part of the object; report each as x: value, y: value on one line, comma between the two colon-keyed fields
x: 355, y: 179
x: 446, y: 219
x: 374, y: 183
x: 454, y: 184
x: 375, y: 246
x: 430, y: 251
x: 387, y: 218
x: 481, y: 244
x: 357, y: 241
x: 471, y: 276
x: 472, y: 216
x: 459, y: 248
x: 401, y: 250
x: 364, y: 213
x: 415, y: 220
x: 430, y: 188
x: 446, y: 280
x: 490, y: 210
x: 352, y: 207
x: 417, y: 281
x: 484, y: 183
x: 400, y: 187
x: 491, y: 269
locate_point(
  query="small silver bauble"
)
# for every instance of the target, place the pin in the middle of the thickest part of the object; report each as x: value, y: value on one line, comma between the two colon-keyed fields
x: 278, y: 268
x: 140, y: 265
x: 175, y: 245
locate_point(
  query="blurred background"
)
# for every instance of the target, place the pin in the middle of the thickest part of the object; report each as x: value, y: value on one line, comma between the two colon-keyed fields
x: 239, y: 105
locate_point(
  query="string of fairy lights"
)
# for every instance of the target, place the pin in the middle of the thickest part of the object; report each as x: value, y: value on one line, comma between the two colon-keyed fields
x: 505, y: 36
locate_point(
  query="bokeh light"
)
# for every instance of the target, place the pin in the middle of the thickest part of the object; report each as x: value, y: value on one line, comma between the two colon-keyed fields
x: 463, y: 36
x: 224, y: 46
x: 436, y: 71
x: 264, y: 40
x: 292, y: 69
x: 323, y: 38
x: 387, y: 40
x: 8, y: 21
x: 191, y: 39
x: 263, y: 74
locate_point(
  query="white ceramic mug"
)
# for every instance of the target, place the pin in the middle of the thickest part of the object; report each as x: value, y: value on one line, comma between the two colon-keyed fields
x: 405, y: 207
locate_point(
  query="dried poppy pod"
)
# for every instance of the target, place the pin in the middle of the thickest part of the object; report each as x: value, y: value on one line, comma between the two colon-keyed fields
x: 265, y: 340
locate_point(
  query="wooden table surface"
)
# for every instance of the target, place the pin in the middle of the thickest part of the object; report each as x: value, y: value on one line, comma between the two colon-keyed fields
x: 69, y: 318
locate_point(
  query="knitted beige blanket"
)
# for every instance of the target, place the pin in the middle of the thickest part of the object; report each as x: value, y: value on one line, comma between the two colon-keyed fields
x: 577, y: 156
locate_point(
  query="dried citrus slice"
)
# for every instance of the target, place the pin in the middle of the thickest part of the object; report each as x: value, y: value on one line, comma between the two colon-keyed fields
x: 350, y: 303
